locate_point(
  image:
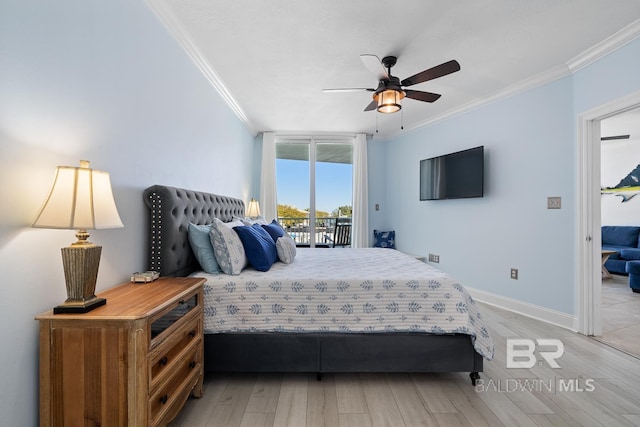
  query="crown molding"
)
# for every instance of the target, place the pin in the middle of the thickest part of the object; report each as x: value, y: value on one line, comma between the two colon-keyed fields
x: 589, y: 56
x: 523, y: 86
x: 605, y: 47
x: 168, y: 19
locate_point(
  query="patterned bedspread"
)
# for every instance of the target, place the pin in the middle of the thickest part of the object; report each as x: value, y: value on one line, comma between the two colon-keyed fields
x: 347, y: 291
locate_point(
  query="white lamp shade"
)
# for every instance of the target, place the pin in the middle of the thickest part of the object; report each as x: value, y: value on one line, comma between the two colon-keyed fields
x: 80, y: 199
x: 253, y: 210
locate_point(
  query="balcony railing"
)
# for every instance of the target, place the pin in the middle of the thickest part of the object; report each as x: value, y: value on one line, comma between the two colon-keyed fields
x: 300, y: 230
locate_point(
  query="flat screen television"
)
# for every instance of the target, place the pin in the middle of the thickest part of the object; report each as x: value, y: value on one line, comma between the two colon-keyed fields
x: 457, y: 175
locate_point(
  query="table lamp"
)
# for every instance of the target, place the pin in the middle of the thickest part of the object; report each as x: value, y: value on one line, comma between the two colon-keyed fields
x: 253, y: 210
x: 80, y: 199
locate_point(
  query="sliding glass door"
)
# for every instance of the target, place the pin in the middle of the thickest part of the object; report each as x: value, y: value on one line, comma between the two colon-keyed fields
x: 314, y: 187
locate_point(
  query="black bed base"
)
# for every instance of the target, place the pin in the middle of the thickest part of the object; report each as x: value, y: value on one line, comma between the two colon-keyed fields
x: 324, y: 353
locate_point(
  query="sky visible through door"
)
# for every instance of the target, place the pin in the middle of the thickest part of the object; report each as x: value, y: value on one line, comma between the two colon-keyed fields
x: 333, y: 184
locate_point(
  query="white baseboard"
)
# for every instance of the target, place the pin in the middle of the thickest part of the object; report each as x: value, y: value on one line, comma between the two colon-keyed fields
x: 544, y: 314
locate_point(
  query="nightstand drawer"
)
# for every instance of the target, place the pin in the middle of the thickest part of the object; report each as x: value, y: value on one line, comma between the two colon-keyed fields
x: 163, y: 324
x: 175, y: 390
x: 165, y: 357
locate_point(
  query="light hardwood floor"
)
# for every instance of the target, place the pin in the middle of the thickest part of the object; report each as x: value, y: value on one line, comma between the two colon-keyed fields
x: 540, y: 396
x: 620, y: 315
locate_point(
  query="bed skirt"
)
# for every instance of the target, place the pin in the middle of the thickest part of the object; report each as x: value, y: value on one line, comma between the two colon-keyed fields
x: 324, y: 353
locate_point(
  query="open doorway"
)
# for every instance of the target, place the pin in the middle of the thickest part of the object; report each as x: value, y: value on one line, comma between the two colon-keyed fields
x: 589, y: 221
x: 620, y: 217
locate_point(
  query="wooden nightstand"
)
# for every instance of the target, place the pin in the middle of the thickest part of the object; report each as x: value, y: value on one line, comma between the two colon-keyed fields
x: 131, y: 362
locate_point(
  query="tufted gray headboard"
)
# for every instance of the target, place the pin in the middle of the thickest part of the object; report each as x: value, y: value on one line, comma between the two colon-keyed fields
x: 170, y: 212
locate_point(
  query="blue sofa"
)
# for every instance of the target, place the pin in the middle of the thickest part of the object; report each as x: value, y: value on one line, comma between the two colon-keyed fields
x: 625, y: 240
x: 633, y: 268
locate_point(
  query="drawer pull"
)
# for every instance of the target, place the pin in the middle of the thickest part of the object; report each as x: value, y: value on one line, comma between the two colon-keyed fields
x: 192, y: 333
x: 164, y: 399
x: 192, y: 364
x: 163, y: 361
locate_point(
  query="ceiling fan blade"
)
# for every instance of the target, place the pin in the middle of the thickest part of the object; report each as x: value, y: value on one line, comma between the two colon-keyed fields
x: 374, y: 65
x: 349, y: 89
x: 372, y: 106
x: 432, y: 73
x: 422, y: 96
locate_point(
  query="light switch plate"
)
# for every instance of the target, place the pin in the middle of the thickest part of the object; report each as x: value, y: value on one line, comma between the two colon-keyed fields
x: 554, y: 202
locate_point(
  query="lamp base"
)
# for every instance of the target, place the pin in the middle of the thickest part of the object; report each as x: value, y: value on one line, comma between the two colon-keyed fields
x: 81, y: 261
x: 79, y: 306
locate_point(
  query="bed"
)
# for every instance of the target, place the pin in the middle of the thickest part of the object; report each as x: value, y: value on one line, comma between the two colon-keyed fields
x: 331, y: 310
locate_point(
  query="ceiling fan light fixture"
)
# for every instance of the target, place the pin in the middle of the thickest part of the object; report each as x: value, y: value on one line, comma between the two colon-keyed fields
x: 389, y: 100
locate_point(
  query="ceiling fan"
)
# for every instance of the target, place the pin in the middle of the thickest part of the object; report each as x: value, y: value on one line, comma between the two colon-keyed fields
x: 390, y: 90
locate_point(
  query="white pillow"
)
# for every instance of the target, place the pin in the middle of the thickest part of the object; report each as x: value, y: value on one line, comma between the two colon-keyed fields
x: 233, y: 223
x: 250, y: 221
x: 227, y: 247
x: 286, y: 248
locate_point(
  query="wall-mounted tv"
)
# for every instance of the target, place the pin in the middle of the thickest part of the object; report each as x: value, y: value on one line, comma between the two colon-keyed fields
x: 457, y: 175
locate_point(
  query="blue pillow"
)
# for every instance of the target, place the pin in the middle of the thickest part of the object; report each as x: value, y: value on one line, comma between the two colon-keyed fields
x: 384, y: 239
x: 275, y: 230
x: 202, y: 248
x: 258, y: 245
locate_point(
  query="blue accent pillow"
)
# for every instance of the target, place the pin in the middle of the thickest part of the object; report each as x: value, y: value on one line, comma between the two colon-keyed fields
x: 202, y: 248
x: 258, y: 245
x: 275, y: 230
x: 384, y: 239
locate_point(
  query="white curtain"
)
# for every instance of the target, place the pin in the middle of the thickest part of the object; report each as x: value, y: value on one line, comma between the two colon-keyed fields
x: 268, y: 202
x: 360, y: 230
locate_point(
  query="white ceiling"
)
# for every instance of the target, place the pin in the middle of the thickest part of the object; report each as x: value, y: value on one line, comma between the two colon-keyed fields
x: 272, y: 58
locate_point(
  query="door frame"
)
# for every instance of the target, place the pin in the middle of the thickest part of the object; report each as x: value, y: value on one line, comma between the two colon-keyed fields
x: 588, y: 319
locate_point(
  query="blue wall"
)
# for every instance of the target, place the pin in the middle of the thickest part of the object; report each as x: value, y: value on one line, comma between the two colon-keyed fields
x: 612, y: 77
x: 102, y: 81
x: 530, y: 143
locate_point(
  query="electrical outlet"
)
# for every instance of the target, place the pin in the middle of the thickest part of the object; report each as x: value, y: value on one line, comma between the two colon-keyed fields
x: 514, y: 273
x: 554, y: 202
x: 434, y: 258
